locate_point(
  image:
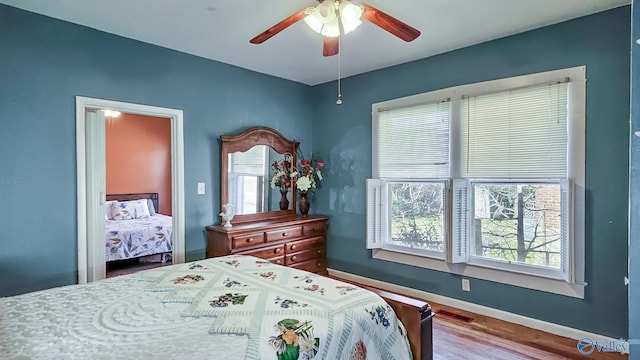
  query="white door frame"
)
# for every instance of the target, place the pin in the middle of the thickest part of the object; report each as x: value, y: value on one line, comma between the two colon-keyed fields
x: 90, y: 223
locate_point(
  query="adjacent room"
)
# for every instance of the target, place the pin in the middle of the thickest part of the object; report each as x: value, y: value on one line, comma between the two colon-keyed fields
x: 328, y: 179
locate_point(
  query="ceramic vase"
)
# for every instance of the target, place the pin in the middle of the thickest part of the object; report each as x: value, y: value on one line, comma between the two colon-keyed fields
x: 284, y: 202
x: 303, y: 204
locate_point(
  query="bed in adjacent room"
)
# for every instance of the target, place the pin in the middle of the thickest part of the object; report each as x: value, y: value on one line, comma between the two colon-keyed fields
x: 232, y: 307
x: 134, y: 228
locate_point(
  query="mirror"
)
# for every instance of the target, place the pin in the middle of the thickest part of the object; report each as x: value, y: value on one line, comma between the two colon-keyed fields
x: 246, y: 173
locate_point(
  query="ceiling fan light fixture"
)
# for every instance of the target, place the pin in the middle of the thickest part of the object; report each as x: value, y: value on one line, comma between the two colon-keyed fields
x: 322, y: 16
x: 313, y: 23
x: 350, y: 15
x: 332, y: 29
x: 325, y: 12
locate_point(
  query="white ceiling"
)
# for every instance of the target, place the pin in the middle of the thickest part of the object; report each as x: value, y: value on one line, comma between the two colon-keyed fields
x: 220, y: 30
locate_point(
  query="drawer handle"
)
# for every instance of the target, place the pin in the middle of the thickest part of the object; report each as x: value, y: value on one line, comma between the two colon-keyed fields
x: 319, y: 251
x: 293, y: 247
x: 249, y: 240
x: 293, y: 258
x: 284, y: 234
x: 277, y: 250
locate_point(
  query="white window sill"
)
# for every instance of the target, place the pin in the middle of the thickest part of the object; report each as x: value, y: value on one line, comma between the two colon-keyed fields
x: 554, y: 286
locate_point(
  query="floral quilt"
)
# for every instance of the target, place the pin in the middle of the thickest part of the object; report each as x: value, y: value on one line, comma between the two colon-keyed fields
x: 132, y: 238
x: 287, y: 314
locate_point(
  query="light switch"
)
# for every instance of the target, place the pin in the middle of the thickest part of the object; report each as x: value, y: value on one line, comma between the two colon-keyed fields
x: 200, y: 188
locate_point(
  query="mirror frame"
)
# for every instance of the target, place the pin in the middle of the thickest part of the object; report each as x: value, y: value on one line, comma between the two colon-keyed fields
x: 244, y: 141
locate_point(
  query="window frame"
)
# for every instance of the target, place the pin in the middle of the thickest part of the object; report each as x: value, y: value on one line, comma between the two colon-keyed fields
x: 516, y: 266
x: 574, y: 287
x: 386, y: 211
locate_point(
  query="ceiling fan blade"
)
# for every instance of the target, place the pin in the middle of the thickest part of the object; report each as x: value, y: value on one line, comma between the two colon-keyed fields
x: 275, y: 29
x: 389, y: 23
x: 331, y: 46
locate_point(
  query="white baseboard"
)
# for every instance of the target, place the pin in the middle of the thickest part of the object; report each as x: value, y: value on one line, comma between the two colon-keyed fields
x: 552, y: 328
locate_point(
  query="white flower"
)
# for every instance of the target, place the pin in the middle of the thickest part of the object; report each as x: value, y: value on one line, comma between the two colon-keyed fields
x: 277, y: 344
x: 304, y: 183
x: 319, y: 173
x: 307, y: 347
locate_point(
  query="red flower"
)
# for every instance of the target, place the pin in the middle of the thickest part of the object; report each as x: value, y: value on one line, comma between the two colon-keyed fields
x: 304, y: 163
x: 320, y: 163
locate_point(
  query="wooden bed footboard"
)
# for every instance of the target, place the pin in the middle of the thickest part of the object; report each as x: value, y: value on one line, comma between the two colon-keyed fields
x: 416, y: 315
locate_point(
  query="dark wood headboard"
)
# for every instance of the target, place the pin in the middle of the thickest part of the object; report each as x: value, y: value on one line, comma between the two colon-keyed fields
x: 126, y: 197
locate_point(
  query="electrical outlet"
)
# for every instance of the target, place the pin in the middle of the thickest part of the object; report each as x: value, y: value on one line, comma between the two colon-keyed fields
x: 200, y: 188
x: 465, y: 285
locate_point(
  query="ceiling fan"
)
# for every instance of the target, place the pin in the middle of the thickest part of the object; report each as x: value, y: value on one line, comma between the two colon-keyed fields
x: 330, y: 16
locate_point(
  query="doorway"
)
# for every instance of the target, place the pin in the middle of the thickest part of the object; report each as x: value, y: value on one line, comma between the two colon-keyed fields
x: 91, y: 191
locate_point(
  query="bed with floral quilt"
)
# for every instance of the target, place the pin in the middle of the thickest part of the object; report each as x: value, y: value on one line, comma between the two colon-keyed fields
x: 134, y: 228
x: 134, y: 238
x: 233, y: 307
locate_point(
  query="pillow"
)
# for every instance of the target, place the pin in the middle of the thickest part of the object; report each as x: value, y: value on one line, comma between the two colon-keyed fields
x: 152, y: 209
x: 134, y: 209
x: 108, y: 209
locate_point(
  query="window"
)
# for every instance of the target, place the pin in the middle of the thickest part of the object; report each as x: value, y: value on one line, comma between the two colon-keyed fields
x: 484, y: 179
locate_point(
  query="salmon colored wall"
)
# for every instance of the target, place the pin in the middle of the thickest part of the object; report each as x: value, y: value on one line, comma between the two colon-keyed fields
x: 138, y: 155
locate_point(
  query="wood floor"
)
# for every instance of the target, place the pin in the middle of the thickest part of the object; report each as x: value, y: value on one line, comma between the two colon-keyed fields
x: 125, y: 267
x: 462, y: 335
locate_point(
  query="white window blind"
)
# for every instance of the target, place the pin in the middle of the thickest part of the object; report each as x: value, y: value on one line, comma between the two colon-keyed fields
x: 413, y: 142
x: 250, y: 162
x: 521, y: 133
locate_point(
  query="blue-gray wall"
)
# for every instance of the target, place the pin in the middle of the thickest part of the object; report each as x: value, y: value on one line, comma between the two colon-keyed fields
x: 44, y: 64
x: 634, y: 186
x: 342, y: 136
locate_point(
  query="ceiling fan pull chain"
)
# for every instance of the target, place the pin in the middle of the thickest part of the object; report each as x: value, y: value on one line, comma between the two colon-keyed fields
x: 339, y: 101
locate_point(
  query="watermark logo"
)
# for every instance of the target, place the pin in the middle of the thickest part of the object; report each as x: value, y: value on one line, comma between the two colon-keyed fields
x: 587, y: 345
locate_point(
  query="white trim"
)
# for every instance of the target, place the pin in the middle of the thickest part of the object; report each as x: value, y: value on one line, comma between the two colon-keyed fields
x: 541, y: 325
x: 527, y: 281
x: 177, y: 176
x: 81, y: 181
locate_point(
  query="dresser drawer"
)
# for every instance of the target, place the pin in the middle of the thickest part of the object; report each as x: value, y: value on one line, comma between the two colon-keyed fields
x: 277, y: 260
x: 301, y: 256
x: 266, y: 253
x: 301, y: 245
x: 244, y: 240
x: 316, y: 265
x: 284, y: 233
x: 316, y: 228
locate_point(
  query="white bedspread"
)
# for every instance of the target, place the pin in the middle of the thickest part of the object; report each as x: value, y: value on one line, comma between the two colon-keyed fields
x: 127, y: 239
x: 196, y: 311
x: 110, y: 319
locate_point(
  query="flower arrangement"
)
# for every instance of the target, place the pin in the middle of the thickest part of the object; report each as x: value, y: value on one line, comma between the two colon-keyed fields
x: 282, y: 174
x: 295, y: 340
x: 309, y: 174
x: 306, y: 175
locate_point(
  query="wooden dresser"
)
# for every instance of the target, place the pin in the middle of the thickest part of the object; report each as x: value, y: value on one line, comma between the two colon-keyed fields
x: 290, y: 241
